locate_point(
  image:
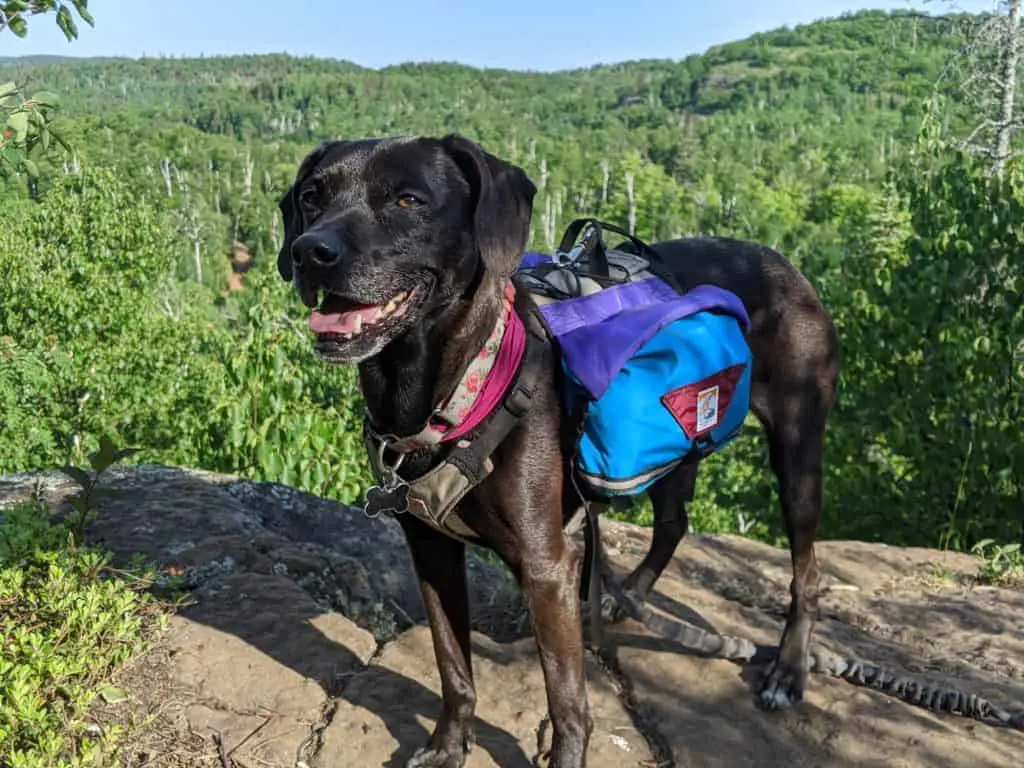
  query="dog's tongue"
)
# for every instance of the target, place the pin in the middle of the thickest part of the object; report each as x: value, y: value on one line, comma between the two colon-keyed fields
x: 343, y: 322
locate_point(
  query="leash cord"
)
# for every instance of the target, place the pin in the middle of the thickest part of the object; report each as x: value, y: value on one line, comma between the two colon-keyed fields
x: 937, y: 697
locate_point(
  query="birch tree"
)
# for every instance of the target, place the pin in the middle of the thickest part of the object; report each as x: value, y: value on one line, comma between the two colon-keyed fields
x: 989, y: 68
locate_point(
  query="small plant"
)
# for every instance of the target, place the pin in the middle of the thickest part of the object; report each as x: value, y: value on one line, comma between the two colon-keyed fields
x: 1001, y: 564
x: 84, y: 500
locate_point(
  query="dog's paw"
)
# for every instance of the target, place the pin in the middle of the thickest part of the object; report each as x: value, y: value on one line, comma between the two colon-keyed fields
x: 440, y: 757
x: 783, y: 686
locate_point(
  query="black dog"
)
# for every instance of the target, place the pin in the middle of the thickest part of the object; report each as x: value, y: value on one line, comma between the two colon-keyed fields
x: 406, y: 247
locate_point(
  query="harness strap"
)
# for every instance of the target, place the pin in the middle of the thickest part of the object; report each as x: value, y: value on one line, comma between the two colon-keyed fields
x: 434, y: 495
x: 594, y: 568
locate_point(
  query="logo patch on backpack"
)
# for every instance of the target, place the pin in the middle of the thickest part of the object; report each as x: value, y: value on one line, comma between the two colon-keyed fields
x: 707, y: 408
x: 697, y: 407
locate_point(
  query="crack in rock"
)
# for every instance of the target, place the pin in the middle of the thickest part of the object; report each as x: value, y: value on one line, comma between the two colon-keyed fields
x: 643, y: 721
x: 309, y: 751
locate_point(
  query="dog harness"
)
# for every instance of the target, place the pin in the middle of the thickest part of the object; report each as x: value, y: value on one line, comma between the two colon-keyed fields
x: 493, y: 394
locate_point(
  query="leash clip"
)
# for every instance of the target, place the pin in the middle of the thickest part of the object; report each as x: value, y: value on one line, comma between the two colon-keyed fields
x: 571, y: 257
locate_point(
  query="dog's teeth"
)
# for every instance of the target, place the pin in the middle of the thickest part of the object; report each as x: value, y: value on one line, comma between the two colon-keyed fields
x: 357, y: 325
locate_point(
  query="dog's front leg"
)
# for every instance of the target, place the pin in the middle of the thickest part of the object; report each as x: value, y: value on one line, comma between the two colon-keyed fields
x: 440, y: 565
x: 549, y: 578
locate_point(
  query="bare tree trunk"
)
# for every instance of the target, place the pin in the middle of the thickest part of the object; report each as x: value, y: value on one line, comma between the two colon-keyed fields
x: 559, y: 205
x: 275, y: 231
x: 197, y: 256
x: 250, y: 165
x: 547, y: 219
x: 165, y: 170
x: 1011, y: 55
x: 632, y: 203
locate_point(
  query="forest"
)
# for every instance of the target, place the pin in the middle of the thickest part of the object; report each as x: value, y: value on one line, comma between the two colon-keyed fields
x: 842, y: 143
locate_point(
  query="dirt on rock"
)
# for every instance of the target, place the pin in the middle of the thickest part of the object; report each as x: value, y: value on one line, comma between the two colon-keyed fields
x: 303, y: 644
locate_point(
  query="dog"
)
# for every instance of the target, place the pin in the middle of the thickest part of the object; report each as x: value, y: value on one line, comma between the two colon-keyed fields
x: 404, y: 248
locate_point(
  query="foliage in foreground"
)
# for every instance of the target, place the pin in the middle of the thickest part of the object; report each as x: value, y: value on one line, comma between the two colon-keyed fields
x: 98, y: 338
x: 26, y: 120
x: 68, y: 619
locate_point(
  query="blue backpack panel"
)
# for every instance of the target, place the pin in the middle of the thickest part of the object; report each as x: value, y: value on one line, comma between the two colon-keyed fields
x: 656, y: 376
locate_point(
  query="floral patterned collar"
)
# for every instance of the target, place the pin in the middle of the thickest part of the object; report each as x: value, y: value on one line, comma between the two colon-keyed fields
x: 482, y: 386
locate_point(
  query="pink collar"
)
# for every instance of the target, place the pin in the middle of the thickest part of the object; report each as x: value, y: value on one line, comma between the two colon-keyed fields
x: 482, y: 386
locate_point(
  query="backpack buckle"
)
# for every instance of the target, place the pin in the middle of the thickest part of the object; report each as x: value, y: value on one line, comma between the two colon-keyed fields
x: 583, y: 244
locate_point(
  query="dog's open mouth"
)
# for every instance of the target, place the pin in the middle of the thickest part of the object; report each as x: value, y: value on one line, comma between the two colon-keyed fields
x: 342, y: 322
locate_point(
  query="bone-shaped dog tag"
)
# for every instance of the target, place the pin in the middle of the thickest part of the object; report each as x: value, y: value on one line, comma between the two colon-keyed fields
x: 391, y: 498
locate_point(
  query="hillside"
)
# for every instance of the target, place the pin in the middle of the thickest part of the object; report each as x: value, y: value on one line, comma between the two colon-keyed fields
x: 833, y: 99
x: 801, y: 138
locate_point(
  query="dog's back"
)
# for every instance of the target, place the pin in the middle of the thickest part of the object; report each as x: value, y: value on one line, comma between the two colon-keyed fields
x: 784, y: 308
x: 760, y: 276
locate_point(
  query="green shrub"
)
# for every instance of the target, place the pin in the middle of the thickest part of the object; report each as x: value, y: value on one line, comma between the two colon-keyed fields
x: 98, y: 338
x: 67, y: 621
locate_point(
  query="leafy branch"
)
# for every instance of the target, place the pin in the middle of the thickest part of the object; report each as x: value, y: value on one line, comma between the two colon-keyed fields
x: 27, y: 124
x: 13, y: 14
x: 27, y: 120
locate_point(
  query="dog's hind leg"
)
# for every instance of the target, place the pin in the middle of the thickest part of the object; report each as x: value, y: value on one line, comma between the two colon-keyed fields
x: 440, y: 565
x: 794, y: 409
x: 669, y: 497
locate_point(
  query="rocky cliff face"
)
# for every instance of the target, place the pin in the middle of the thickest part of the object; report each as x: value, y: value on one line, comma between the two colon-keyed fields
x: 304, y: 644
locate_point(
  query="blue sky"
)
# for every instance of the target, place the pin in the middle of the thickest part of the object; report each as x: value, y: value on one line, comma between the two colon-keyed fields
x: 519, y: 34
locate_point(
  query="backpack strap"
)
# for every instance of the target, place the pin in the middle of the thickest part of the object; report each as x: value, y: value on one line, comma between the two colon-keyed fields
x: 584, y: 240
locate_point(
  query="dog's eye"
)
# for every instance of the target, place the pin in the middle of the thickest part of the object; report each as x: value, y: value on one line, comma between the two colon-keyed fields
x: 311, y: 195
x: 408, y: 201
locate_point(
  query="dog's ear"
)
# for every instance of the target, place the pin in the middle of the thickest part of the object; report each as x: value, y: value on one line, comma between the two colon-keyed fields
x: 291, y: 213
x: 503, y: 197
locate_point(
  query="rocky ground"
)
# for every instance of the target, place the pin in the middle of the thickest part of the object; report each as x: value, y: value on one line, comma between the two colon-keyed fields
x: 304, y: 645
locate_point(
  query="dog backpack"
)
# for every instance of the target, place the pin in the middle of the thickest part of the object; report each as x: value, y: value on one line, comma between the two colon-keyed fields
x: 655, y: 375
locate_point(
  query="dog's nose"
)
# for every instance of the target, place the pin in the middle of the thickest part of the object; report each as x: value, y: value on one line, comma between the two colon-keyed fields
x: 317, y: 249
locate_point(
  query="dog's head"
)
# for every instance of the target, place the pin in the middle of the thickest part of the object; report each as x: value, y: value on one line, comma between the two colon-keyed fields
x: 382, y: 234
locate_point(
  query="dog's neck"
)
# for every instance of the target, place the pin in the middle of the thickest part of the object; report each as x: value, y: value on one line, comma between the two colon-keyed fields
x: 403, y: 385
